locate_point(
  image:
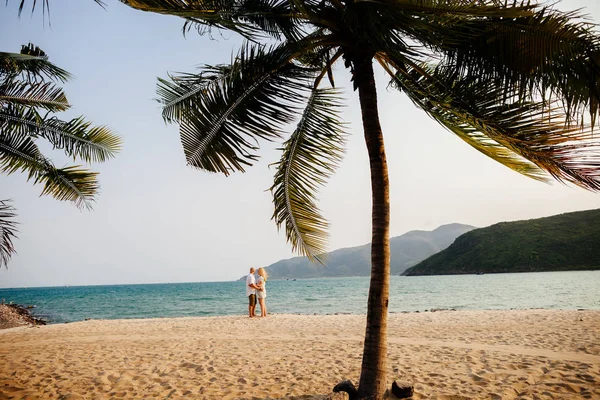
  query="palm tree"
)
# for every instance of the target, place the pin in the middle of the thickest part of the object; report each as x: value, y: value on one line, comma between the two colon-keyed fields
x: 29, y: 98
x: 514, y: 80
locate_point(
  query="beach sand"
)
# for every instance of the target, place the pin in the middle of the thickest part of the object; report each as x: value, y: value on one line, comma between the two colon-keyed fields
x: 450, y: 355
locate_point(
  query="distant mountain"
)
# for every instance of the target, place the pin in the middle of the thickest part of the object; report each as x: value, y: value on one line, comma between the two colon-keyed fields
x: 406, y: 250
x: 559, y: 243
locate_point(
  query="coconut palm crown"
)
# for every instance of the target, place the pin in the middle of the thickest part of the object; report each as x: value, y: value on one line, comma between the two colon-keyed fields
x: 29, y: 100
x: 517, y: 81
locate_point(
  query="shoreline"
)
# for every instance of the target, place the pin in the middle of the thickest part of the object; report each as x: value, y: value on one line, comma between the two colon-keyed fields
x: 497, y: 354
x: 13, y: 315
x: 23, y: 315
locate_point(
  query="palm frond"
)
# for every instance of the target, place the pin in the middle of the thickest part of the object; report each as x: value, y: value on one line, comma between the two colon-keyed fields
x: 549, y: 54
x: 528, y: 137
x: 20, y: 153
x: 74, y: 184
x: 309, y: 157
x: 257, y: 19
x: 32, y: 64
x: 179, y: 92
x: 449, y: 9
x: 8, y: 232
x: 234, y: 105
x: 77, y: 137
x: 252, y: 19
x: 34, y: 94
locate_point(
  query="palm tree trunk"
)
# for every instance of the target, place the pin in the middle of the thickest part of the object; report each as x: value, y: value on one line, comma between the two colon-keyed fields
x: 373, y: 377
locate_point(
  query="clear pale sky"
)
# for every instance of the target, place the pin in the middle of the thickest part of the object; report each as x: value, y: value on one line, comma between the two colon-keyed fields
x: 157, y: 220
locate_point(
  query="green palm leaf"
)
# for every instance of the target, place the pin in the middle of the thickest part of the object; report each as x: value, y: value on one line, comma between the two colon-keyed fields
x: 309, y: 157
x: 179, y: 93
x: 450, y: 9
x: 73, y: 183
x: 24, y: 91
x: 233, y: 106
x: 32, y: 64
x: 252, y: 19
x: 34, y: 94
x: 529, y: 137
x: 77, y: 137
x: 8, y: 232
x: 20, y: 153
x: 548, y: 54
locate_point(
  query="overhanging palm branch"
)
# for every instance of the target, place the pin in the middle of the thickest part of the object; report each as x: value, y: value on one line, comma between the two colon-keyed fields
x: 424, y: 11
x: 183, y: 91
x: 309, y: 157
x: 31, y: 65
x: 75, y: 184
x: 546, y: 53
x: 8, y: 232
x: 21, y: 154
x: 24, y: 91
x: 37, y: 94
x: 229, y: 108
x: 253, y: 19
x: 528, y: 137
x: 77, y: 137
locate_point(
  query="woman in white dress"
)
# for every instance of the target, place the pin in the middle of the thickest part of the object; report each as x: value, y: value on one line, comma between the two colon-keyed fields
x: 261, y: 294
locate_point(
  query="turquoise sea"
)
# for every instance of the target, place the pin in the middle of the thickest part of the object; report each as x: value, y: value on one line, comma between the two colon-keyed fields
x: 552, y: 290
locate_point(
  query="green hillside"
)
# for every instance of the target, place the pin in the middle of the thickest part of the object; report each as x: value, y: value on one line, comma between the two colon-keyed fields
x: 563, y: 242
x: 406, y: 250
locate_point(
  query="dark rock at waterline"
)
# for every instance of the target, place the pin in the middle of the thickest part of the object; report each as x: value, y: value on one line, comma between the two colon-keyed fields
x: 13, y: 315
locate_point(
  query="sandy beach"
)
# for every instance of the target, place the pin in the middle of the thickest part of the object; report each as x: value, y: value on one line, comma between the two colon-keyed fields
x: 527, y: 354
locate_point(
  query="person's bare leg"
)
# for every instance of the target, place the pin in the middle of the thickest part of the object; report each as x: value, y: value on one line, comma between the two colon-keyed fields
x: 252, y: 307
x: 261, y: 302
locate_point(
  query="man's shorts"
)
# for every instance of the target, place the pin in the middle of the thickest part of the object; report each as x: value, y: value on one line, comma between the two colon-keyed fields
x: 252, y: 300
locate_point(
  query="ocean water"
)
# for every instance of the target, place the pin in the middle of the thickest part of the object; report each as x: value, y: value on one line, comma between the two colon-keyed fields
x: 551, y: 290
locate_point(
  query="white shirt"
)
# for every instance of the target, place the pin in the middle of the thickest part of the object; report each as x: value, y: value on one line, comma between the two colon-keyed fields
x: 250, y: 281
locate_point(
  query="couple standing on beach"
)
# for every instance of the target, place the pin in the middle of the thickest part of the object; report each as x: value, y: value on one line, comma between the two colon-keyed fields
x: 256, y: 288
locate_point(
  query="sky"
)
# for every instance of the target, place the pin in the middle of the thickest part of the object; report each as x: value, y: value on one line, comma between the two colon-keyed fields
x: 157, y: 220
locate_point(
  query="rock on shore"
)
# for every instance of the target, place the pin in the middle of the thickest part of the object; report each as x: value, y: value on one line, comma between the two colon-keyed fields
x: 12, y: 315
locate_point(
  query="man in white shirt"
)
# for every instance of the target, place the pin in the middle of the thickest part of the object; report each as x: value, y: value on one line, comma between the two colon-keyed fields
x: 251, y: 292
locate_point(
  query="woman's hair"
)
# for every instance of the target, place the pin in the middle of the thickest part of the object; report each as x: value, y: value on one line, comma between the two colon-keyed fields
x: 263, y: 273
